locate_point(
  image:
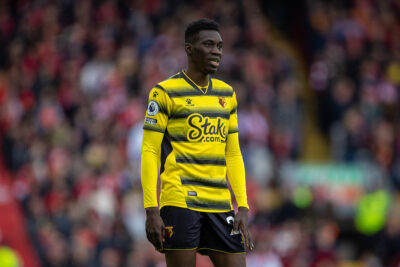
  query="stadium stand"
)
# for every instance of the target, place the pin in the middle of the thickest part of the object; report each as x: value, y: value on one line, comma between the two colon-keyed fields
x: 74, y: 80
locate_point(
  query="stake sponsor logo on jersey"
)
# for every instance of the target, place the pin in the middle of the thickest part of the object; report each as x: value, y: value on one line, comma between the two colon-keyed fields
x: 205, y: 129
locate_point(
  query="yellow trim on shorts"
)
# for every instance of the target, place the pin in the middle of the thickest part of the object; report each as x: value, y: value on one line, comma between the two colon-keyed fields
x: 180, y: 248
x: 221, y: 251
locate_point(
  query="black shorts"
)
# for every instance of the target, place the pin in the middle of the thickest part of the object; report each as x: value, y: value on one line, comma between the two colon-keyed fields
x: 202, y: 231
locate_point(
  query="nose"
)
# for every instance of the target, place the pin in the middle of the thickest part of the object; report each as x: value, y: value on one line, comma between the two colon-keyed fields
x: 216, y: 50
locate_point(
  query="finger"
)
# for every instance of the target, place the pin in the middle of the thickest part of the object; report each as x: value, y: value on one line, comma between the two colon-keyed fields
x: 250, y: 240
x: 156, y: 241
x: 162, y: 234
x: 149, y: 237
x: 235, y: 225
x: 245, y: 236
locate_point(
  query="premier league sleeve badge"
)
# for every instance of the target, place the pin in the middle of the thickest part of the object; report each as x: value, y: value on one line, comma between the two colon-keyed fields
x: 152, y: 108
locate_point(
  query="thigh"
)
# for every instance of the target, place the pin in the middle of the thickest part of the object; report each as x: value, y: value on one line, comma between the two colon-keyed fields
x: 216, y: 234
x: 182, y: 228
x: 180, y: 258
x: 227, y: 260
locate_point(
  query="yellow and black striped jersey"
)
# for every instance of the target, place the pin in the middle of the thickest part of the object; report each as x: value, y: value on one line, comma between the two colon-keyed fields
x: 188, y: 130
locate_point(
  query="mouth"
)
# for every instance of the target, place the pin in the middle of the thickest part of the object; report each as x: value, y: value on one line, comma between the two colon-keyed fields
x: 214, y: 62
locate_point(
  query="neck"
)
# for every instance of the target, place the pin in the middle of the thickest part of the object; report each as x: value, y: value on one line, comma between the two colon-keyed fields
x: 198, y: 77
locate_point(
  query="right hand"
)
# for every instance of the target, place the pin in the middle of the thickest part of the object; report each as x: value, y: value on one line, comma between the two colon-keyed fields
x: 155, y: 228
x: 241, y: 223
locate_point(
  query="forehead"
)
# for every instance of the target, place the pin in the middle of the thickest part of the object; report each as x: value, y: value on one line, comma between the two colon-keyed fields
x: 209, y: 35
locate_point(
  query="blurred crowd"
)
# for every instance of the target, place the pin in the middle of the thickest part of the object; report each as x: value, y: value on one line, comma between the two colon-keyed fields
x: 74, y: 80
x: 356, y: 77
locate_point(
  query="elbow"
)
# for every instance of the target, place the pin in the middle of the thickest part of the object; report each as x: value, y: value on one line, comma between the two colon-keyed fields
x: 233, y: 154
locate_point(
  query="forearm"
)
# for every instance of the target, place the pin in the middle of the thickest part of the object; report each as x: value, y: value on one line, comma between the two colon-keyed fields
x: 149, y: 174
x: 236, y: 175
x: 149, y: 168
x: 236, y: 170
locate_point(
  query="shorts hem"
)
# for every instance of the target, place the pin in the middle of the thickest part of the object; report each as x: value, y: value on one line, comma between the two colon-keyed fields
x: 221, y: 251
x: 173, y: 249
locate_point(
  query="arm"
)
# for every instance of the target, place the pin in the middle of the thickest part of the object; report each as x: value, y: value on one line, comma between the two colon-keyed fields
x: 149, y: 174
x: 235, y: 169
x: 233, y: 156
x: 149, y: 170
x: 154, y: 126
x: 236, y: 175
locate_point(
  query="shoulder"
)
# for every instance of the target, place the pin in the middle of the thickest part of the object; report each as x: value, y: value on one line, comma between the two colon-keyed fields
x: 221, y: 84
x: 170, y: 82
x: 222, y: 88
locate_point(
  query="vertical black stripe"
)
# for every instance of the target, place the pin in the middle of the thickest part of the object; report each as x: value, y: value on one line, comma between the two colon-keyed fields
x: 185, y: 77
x: 209, y: 85
x: 166, y: 149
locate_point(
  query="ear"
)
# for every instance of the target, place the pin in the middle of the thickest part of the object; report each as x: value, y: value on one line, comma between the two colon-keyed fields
x: 188, y: 49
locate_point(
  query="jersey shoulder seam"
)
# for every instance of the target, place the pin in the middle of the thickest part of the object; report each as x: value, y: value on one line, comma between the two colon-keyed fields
x: 221, y: 83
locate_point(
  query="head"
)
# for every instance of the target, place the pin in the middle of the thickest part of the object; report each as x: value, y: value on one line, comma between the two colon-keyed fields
x: 203, y: 45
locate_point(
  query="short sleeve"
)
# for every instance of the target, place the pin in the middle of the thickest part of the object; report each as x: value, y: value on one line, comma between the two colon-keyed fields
x: 157, y: 112
x: 233, y: 123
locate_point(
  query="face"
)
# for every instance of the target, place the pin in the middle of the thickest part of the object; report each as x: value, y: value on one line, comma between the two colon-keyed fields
x: 206, y: 51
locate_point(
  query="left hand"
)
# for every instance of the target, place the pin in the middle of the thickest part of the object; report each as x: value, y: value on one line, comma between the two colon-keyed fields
x: 241, y: 222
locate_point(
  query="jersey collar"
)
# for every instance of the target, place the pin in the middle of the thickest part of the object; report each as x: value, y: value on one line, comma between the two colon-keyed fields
x: 195, y: 86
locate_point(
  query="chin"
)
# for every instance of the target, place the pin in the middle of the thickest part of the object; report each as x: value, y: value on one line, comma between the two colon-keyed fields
x: 211, y: 71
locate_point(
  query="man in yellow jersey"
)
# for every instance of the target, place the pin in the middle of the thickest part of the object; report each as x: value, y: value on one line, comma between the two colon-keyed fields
x: 190, y: 140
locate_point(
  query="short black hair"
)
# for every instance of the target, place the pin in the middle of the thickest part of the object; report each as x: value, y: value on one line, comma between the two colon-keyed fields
x: 199, y: 25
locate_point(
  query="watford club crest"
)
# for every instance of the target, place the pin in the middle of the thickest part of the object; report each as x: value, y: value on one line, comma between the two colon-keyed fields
x: 221, y: 101
x: 168, y: 231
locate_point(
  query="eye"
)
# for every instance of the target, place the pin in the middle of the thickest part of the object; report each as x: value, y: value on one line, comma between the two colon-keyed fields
x: 219, y: 46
